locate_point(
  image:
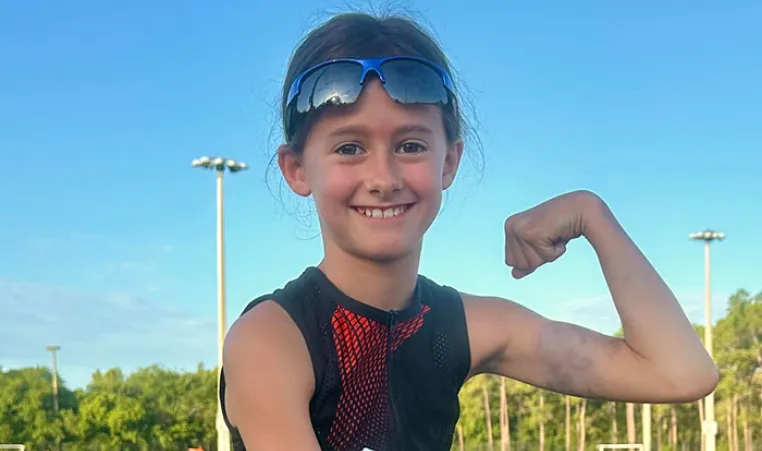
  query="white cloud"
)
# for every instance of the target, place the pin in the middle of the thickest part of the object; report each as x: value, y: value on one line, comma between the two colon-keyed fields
x: 97, y: 330
x: 599, y: 313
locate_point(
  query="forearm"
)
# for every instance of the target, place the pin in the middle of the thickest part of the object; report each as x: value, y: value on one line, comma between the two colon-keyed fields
x: 655, y: 326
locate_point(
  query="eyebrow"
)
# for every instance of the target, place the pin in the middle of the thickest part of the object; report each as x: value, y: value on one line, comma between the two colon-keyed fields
x: 363, y: 130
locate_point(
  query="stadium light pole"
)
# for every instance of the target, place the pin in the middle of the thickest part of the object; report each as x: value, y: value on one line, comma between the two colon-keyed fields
x: 707, y: 236
x: 220, y: 165
x: 54, y: 372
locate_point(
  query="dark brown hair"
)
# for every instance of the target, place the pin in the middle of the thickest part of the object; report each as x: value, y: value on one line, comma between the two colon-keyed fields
x: 360, y: 35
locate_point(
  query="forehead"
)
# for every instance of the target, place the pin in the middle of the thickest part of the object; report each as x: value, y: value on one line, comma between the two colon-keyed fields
x: 375, y: 110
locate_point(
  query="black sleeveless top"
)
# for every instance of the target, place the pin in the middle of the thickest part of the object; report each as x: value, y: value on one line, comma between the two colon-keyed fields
x: 384, y: 380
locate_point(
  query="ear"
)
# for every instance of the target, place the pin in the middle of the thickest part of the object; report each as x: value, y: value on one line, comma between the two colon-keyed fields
x: 292, y: 168
x: 451, y: 163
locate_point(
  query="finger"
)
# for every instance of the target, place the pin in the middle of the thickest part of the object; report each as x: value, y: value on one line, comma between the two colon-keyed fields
x: 533, y: 256
x: 514, y: 255
x: 549, y: 252
x: 529, y: 259
x: 556, y: 251
x: 519, y: 273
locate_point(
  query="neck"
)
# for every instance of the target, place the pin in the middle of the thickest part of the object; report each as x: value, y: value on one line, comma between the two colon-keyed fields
x: 384, y: 285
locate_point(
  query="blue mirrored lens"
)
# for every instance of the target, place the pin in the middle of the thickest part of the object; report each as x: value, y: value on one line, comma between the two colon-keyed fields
x: 411, y: 81
x: 333, y: 84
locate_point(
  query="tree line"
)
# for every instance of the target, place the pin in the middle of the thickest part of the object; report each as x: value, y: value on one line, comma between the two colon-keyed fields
x: 151, y: 409
x: 159, y: 409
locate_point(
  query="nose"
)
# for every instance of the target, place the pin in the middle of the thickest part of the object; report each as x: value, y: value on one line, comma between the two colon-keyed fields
x: 383, y: 174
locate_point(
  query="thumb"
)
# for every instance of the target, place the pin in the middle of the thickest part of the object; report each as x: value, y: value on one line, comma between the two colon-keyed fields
x: 553, y: 252
x: 559, y: 249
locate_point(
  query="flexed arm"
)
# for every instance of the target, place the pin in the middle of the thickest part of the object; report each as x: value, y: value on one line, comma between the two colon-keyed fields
x: 659, y: 359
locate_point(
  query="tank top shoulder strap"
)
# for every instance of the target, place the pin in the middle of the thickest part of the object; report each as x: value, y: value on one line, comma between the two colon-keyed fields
x: 304, y: 304
x: 307, y: 308
x: 450, y: 345
x: 299, y: 299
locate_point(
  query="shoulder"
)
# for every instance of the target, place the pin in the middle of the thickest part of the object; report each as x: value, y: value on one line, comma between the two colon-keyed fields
x: 268, y: 382
x: 437, y: 295
x: 267, y: 341
x: 260, y: 347
x: 276, y: 317
x: 292, y: 292
x: 266, y: 335
x: 491, y: 327
x: 496, y: 325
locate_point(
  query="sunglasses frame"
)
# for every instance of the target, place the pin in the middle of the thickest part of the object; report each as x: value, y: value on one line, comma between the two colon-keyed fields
x: 368, y: 65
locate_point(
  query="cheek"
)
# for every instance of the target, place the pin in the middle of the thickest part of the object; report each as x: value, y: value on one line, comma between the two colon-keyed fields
x: 425, y: 179
x: 331, y: 186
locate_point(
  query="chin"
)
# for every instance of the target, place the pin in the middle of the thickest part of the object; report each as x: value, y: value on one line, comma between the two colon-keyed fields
x: 385, y: 253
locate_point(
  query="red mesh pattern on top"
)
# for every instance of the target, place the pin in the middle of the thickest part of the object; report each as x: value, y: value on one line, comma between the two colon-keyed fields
x: 363, y: 416
x: 405, y: 330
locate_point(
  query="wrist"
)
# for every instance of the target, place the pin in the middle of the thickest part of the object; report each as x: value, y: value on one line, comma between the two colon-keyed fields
x: 596, y: 217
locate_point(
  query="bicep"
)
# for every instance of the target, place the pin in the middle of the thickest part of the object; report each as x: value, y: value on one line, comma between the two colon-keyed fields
x: 515, y: 342
x: 269, y: 381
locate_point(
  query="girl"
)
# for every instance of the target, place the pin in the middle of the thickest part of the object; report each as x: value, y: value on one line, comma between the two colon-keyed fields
x: 362, y: 352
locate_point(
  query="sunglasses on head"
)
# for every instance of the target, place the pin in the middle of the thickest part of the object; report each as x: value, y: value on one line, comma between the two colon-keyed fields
x: 407, y: 80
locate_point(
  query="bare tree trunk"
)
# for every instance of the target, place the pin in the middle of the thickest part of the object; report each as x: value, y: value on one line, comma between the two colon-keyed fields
x: 659, y: 438
x: 505, y: 434
x: 507, y: 427
x: 734, y: 421
x: 582, y: 431
x: 745, y: 424
x: 567, y: 400
x: 488, y: 415
x: 673, y: 429
x: 461, y: 443
x: 542, y: 421
x: 631, y: 432
x: 614, y: 429
x: 728, y: 430
x: 700, y: 403
x: 760, y: 409
x: 575, y: 414
x: 519, y: 411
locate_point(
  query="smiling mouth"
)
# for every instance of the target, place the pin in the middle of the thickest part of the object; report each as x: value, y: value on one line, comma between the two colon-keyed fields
x: 383, y: 212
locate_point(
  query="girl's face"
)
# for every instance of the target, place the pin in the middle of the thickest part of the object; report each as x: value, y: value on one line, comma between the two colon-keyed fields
x: 376, y: 170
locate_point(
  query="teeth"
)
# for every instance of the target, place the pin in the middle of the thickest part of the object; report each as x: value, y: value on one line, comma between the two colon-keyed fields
x: 379, y: 213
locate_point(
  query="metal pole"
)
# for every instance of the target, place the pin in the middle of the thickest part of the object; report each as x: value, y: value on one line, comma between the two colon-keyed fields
x: 54, y: 372
x: 710, y: 428
x: 223, y: 434
x: 220, y: 165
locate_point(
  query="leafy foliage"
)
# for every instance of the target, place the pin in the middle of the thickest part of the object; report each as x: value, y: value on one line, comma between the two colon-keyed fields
x: 152, y: 409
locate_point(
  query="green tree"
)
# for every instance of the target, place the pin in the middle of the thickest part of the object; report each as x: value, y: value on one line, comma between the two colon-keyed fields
x: 26, y: 408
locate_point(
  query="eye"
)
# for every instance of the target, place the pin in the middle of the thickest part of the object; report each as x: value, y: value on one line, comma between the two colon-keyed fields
x: 412, y: 147
x: 349, y: 149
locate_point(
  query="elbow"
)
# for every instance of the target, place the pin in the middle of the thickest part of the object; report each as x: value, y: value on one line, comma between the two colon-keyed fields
x: 709, y: 380
x: 696, y: 384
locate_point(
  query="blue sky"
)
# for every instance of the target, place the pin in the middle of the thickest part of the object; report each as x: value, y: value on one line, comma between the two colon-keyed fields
x: 107, y: 233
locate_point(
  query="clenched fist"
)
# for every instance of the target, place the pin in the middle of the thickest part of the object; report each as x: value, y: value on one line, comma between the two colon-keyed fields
x: 539, y: 235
